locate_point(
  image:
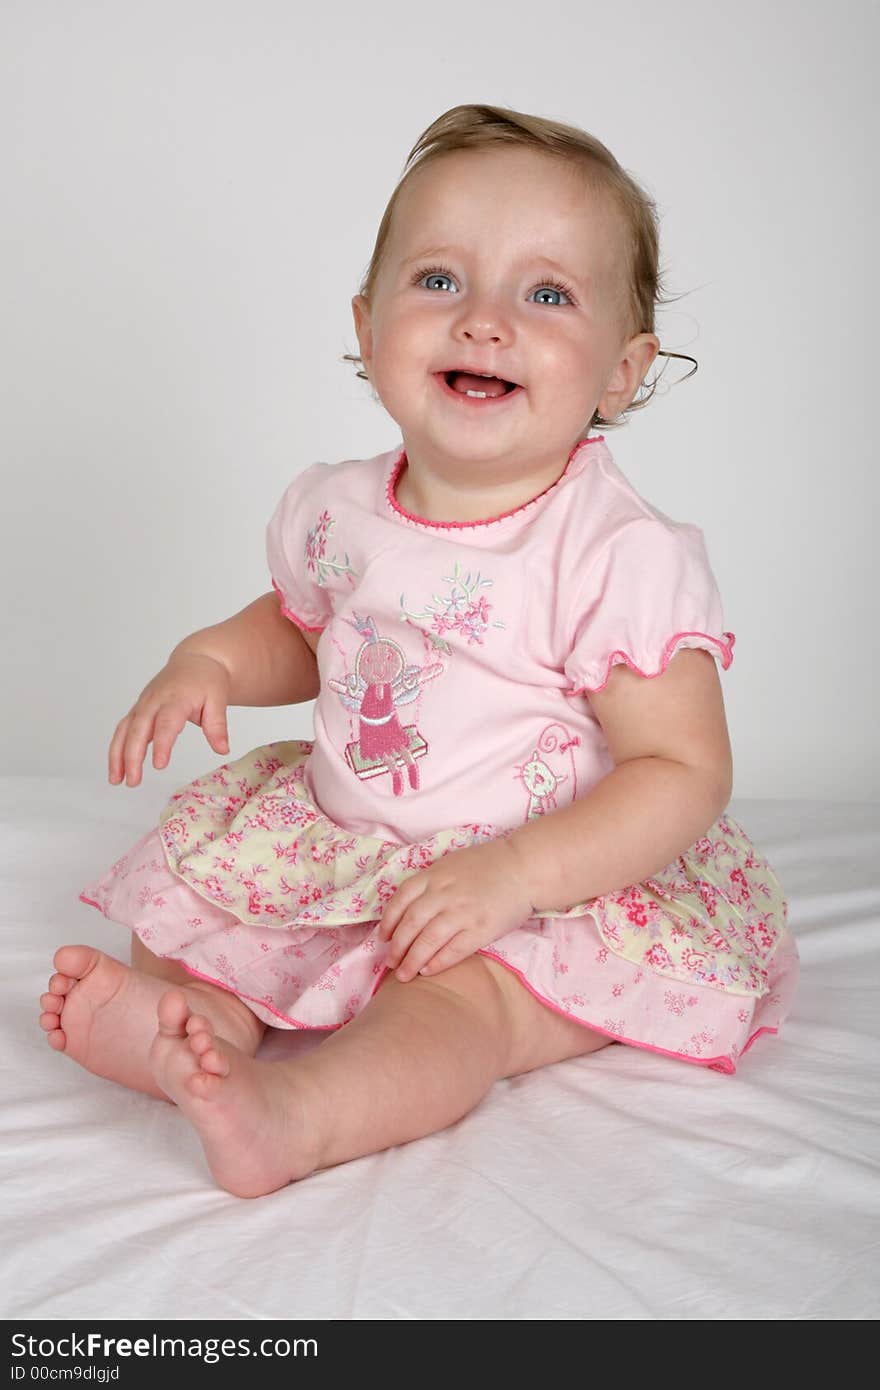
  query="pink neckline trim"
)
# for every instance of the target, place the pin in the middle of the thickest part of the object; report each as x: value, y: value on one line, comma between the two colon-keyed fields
x: 490, y: 521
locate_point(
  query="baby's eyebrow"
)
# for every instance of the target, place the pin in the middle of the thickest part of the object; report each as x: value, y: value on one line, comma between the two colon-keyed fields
x: 528, y: 259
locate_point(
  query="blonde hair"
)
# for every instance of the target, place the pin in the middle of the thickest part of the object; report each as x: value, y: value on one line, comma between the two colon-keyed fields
x: 470, y: 127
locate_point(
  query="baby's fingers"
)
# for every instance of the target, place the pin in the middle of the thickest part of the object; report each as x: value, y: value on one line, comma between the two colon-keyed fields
x: 409, y: 892
x: 214, y: 725
x: 116, y: 760
x: 140, y: 731
x: 425, y: 945
x: 455, y: 950
x: 413, y: 919
x: 168, y: 726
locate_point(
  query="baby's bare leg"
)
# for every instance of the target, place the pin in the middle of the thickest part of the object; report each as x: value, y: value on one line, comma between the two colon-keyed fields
x: 103, y: 1014
x: 418, y: 1058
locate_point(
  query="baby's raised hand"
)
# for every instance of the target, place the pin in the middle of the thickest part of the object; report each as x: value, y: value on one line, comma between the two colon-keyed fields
x: 191, y: 688
x: 445, y: 913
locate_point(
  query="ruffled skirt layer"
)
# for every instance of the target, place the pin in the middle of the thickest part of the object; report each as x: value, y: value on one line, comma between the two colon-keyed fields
x: 247, y: 884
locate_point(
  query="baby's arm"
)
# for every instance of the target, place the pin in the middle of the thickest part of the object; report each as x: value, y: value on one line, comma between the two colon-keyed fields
x: 269, y: 659
x: 672, y: 778
x: 257, y: 657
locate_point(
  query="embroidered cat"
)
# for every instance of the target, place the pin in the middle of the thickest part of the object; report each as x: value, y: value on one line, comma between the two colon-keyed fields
x: 541, y: 778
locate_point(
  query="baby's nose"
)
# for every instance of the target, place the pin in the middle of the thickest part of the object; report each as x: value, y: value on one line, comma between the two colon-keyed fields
x: 484, y: 320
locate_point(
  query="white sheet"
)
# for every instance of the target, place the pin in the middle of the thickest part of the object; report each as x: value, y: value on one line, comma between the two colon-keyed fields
x: 625, y: 1185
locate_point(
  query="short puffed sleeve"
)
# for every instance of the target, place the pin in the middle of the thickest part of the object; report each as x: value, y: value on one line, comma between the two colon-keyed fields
x: 293, y: 548
x: 648, y: 594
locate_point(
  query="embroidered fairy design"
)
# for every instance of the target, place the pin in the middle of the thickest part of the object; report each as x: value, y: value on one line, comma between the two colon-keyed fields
x: 543, y: 774
x: 381, y: 683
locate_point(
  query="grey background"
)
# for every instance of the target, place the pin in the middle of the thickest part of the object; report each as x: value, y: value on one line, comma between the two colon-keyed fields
x: 191, y: 194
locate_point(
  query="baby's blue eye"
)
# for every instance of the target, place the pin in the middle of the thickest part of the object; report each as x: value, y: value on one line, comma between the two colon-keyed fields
x: 551, y: 289
x: 437, y: 275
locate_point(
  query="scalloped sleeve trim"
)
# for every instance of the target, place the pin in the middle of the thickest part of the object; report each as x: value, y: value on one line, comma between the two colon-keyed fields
x: 294, y: 617
x: 720, y: 647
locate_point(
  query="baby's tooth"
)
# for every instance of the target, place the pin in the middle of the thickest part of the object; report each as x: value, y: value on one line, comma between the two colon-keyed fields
x: 481, y: 395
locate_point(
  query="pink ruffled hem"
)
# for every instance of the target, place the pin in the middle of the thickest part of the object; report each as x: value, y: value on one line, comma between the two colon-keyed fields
x: 320, y: 978
x: 677, y: 642
x: 294, y: 617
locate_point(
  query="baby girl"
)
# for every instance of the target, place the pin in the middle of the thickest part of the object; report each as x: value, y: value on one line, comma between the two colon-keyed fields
x: 507, y: 844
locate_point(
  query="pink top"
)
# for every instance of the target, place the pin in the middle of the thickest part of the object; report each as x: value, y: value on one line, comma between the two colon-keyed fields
x: 454, y: 657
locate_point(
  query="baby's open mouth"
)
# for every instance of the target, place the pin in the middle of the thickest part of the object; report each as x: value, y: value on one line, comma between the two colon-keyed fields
x: 478, y: 387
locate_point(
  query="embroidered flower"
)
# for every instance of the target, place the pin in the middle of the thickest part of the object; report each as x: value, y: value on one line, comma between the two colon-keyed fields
x: 462, y: 609
x: 316, y: 552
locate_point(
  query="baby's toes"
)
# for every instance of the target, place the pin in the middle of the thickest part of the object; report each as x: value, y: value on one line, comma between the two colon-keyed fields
x: 51, y: 1004
x: 201, y: 1041
x: 50, y: 1018
x: 214, y: 1062
x: 50, y: 1021
x: 173, y: 1014
x: 56, y: 991
x: 203, y: 1045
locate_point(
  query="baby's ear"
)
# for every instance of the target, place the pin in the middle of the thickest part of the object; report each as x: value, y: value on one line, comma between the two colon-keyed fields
x: 361, y: 310
x: 628, y: 375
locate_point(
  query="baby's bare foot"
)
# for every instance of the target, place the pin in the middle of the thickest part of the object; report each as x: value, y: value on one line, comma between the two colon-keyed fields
x: 249, y: 1115
x: 102, y: 1014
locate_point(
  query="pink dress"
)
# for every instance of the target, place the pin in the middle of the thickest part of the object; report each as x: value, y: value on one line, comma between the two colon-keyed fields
x: 455, y: 664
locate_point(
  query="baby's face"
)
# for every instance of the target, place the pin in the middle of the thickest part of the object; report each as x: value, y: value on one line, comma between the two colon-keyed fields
x: 488, y: 224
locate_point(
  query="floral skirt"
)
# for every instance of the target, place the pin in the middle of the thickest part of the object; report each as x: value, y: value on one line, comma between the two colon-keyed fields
x: 249, y: 885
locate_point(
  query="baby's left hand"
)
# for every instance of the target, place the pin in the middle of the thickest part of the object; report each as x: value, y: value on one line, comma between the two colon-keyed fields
x: 445, y: 913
